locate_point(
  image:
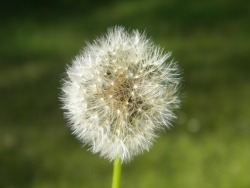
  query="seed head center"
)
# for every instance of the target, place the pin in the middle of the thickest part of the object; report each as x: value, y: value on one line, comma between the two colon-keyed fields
x: 122, y: 95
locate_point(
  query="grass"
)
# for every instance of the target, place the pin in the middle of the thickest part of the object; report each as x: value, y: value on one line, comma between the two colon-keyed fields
x: 209, y: 143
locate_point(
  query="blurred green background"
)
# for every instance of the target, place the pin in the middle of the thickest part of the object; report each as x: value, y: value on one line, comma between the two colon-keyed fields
x: 207, y: 147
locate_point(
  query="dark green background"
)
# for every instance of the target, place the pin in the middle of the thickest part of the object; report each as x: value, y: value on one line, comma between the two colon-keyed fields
x: 208, y: 145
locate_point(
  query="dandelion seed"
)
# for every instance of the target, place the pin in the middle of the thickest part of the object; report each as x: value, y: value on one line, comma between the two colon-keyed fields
x: 118, y: 92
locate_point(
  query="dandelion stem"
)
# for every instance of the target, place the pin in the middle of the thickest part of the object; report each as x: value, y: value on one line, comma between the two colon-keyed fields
x: 116, y: 173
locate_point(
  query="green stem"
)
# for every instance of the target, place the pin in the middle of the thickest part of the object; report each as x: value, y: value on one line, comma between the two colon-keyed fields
x: 116, y: 173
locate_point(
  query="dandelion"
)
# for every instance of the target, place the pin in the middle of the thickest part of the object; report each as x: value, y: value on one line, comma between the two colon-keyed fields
x: 119, y: 92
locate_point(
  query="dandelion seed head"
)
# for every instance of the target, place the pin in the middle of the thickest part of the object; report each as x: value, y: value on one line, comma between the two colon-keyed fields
x: 119, y: 91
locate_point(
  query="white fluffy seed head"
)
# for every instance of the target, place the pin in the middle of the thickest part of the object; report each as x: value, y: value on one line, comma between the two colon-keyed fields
x: 118, y: 92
